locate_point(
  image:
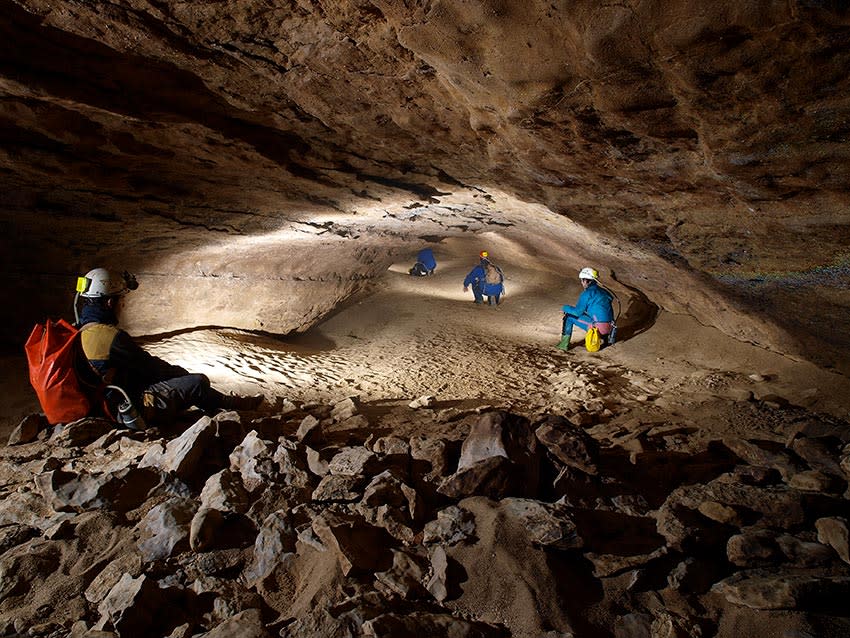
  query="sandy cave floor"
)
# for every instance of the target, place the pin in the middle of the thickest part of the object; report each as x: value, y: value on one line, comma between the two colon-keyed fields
x: 423, y: 336
x: 414, y: 337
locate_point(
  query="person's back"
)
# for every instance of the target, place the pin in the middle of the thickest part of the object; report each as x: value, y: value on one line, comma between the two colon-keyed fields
x: 598, y: 303
x: 156, y: 387
x: 594, y: 308
x: 427, y: 259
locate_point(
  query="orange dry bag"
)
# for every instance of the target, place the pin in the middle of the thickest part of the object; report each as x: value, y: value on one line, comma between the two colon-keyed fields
x: 52, y: 354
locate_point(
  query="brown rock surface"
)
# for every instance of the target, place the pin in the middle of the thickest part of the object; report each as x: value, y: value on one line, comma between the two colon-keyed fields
x: 224, y: 150
x: 269, y: 168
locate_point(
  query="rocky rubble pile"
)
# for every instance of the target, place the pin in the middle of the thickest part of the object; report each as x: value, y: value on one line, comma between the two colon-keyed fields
x: 320, y: 521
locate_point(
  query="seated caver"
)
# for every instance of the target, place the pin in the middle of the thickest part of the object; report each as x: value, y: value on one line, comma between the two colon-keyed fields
x: 593, y: 308
x: 158, y: 389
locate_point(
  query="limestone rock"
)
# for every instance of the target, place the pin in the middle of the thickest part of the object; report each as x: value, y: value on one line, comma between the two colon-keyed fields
x: 345, y: 409
x: 498, y: 458
x: 309, y: 430
x: 133, y: 605
x: 27, y: 430
x: 494, y: 477
x: 437, y: 584
x: 121, y: 491
x: 81, y: 432
x: 679, y: 522
x: 391, y: 446
x: 358, y: 546
x: 833, y: 531
x: 204, y: 528
x: 605, y: 565
x: 569, y: 444
x: 15, y: 534
x: 406, y: 575
x: 245, y: 624
x: 339, y: 488
x: 353, y: 461
x: 422, y: 402
x: 819, y: 454
x: 432, y: 451
x: 816, y: 481
x: 315, y: 463
x: 274, y: 544
x: 766, y: 454
x: 165, y: 528
x: 225, y: 492
x: 452, y: 525
x: 182, y: 455
x: 547, y: 524
x: 129, y: 563
x: 252, y: 459
x: 761, y: 590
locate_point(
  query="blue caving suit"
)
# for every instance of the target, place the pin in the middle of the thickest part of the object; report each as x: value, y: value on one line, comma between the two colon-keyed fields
x: 426, y: 258
x: 477, y: 278
x: 425, y: 264
x: 594, y: 306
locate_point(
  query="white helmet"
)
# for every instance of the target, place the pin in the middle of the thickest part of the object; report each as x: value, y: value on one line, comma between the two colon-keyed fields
x: 102, y: 283
x: 589, y: 273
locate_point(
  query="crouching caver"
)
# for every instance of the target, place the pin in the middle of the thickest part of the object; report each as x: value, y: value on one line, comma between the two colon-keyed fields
x: 158, y: 389
x: 593, y: 309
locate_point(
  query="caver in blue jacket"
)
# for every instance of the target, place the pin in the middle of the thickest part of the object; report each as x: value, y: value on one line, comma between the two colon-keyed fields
x: 594, y: 307
x: 425, y: 264
x: 477, y: 278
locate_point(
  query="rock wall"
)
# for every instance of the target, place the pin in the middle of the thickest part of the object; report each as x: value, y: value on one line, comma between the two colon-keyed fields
x: 706, y: 144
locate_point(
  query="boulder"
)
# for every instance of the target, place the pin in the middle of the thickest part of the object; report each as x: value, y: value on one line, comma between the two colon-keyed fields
x: 345, y: 409
x: 359, y: 546
x: 27, y: 430
x: 438, y: 585
x: 309, y: 431
x: 275, y: 542
x: 134, y: 606
x: 782, y: 590
x: 569, y: 444
x: 80, y: 433
x: 225, y: 492
x: 165, y: 529
x: 77, y: 492
x: 354, y: 461
x: 494, y: 477
x: 766, y: 454
x: 833, y: 531
x: 498, y: 458
x: 548, y: 524
x: 452, y: 525
x: 253, y: 460
x: 316, y: 464
x: 432, y: 451
x: 106, y: 579
x: 339, y: 488
x: 204, y: 528
x: 406, y: 575
x: 245, y: 624
x: 183, y: 455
